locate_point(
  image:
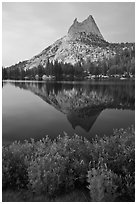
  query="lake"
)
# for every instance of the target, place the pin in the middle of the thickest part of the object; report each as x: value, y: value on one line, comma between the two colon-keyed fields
x: 36, y: 109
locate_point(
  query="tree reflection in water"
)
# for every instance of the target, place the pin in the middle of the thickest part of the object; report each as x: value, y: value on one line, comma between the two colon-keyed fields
x: 82, y: 103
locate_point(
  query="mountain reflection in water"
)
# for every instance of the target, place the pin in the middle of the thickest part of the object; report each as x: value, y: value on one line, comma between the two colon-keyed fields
x: 82, y: 103
x: 36, y: 109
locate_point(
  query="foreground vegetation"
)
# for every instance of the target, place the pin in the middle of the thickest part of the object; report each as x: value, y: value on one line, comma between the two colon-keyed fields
x: 46, y: 170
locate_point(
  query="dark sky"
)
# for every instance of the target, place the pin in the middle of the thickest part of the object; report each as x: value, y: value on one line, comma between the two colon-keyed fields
x: 28, y: 28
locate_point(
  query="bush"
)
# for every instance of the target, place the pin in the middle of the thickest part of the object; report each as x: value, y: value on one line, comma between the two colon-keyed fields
x: 61, y: 167
x: 118, y: 152
x: 15, y: 161
x: 102, y: 184
x: 52, y: 167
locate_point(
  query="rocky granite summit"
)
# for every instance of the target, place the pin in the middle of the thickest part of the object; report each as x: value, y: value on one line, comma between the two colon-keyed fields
x: 88, y: 26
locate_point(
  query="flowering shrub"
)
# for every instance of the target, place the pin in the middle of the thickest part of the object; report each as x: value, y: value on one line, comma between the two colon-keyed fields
x: 51, y: 167
x: 15, y: 161
x: 118, y: 152
x: 64, y: 164
x: 102, y: 184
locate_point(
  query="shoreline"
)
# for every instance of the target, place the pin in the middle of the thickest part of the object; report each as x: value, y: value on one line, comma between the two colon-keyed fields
x: 76, y: 81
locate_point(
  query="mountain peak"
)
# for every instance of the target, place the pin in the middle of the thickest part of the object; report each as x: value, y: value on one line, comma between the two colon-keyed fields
x: 82, y: 43
x: 87, y: 26
x: 90, y: 17
x: 75, y: 21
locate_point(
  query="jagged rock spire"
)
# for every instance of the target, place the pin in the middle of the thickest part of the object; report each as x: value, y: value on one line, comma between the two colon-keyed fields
x: 75, y: 21
x: 88, y: 26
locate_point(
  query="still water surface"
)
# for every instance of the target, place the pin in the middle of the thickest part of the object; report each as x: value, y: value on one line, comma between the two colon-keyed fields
x: 36, y: 109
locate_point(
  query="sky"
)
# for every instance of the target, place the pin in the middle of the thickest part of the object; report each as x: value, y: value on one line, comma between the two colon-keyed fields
x: 28, y: 28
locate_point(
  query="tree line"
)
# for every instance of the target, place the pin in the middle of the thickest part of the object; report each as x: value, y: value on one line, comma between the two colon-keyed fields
x: 123, y: 63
